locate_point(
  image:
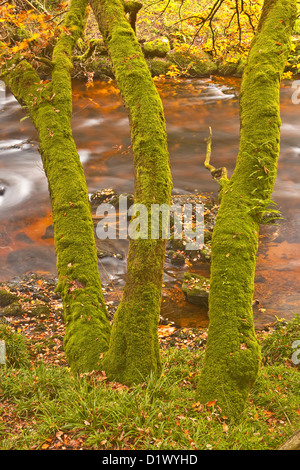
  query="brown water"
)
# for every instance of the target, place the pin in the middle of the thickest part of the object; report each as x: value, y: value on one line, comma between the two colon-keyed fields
x: 101, y: 132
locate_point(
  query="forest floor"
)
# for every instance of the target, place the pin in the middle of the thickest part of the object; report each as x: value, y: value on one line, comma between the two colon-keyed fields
x: 43, y: 406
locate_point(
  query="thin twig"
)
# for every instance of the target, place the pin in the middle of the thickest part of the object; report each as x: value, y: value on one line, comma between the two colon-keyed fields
x: 35, y: 8
x: 208, y: 152
x: 162, y: 12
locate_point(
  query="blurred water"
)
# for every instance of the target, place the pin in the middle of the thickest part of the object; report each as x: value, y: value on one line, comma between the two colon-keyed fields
x: 101, y: 132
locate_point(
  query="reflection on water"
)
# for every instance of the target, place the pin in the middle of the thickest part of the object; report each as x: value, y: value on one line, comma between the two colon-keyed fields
x: 101, y: 132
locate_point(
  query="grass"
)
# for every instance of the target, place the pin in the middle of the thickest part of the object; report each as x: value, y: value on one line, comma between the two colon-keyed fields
x: 43, y: 406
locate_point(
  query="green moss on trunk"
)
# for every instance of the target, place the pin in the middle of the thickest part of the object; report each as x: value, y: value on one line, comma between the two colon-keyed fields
x: 134, y: 349
x: 232, y: 357
x: 50, y: 108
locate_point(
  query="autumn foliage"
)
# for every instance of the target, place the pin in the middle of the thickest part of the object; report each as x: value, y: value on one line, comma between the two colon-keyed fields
x: 28, y: 32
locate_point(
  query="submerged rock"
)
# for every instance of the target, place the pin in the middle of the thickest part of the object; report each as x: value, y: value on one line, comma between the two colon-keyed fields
x: 2, y: 187
x: 49, y: 232
x: 193, y: 65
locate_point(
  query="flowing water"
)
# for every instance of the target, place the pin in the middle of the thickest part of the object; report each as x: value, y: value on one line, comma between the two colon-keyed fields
x: 101, y: 132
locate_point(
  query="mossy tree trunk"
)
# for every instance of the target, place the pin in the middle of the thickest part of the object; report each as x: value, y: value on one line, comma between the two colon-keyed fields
x: 134, y: 348
x: 232, y: 358
x: 49, y: 105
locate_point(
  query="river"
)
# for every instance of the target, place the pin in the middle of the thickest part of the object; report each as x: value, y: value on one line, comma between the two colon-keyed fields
x: 101, y: 132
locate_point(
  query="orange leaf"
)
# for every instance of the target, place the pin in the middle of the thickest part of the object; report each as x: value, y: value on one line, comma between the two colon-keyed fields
x: 211, y: 403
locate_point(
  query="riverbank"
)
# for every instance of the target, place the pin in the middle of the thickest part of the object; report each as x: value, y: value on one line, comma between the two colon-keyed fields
x: 30, y: 305
x: 165, y: 62
x: 170, y: 54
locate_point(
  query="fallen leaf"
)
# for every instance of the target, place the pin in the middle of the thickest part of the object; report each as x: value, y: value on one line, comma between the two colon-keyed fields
x: 225, y: 427
x: 211, y: 403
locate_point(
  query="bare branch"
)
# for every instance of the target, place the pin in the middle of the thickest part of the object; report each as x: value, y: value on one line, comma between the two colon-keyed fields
x: 217, y: 173
x: 162, y: 12
x: 238, y: 19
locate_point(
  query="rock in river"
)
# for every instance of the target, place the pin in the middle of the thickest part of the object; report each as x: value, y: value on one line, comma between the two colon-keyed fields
x: 196, y: 289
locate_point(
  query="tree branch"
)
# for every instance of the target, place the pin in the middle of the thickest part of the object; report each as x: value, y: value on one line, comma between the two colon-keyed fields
x: 45, y: 61
x: 217, y: 173
x: 35, y: 8
x: 88, y: 53
x: 132, y: 8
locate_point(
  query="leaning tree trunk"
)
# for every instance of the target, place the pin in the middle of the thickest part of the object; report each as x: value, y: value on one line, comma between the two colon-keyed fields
x: 134, y: 348
x: 293, y: 442
x: 232, y: 357
x: 50, y: 108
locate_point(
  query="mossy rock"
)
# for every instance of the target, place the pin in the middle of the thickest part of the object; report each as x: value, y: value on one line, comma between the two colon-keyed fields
x: 103, y: 196
x: 178, y: 259
x: 12, y: 310
x: 157, y: 48
x: 158, y: 66
x: 228, y: 69
x: 7, y: 298
x: 100, y: 66
x: 193, y: 65
x: 38, y: 310
x: 196, y: 289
